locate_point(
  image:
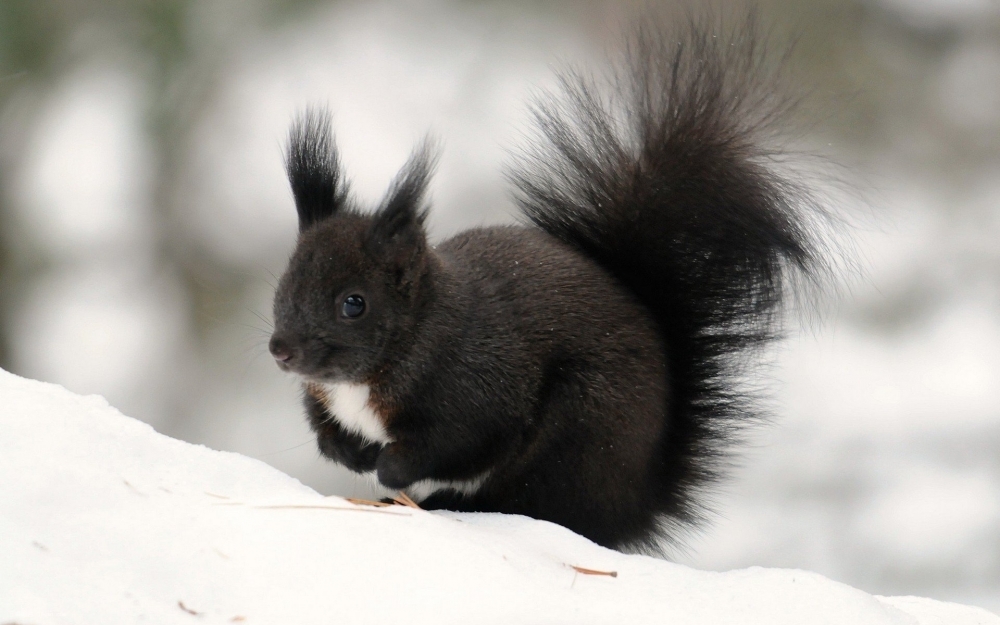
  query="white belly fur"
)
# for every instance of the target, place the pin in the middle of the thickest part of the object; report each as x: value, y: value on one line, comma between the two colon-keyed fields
x: 425, y: 488
x: 349, y: 405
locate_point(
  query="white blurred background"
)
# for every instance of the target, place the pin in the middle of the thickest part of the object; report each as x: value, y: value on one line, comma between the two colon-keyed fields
x: 144, y: 216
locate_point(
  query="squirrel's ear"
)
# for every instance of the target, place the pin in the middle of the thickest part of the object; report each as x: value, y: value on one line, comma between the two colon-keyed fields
x: 397, y: 231
x: 314, y: 168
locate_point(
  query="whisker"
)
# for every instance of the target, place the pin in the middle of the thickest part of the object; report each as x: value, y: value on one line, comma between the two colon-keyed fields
x: 267, y: 321
x: 281, y: 451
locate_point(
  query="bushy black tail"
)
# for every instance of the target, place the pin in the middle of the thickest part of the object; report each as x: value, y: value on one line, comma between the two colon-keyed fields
x: 667, y: 180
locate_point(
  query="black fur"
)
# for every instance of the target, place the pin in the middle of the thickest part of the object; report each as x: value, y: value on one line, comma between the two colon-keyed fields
x: 583, y: 368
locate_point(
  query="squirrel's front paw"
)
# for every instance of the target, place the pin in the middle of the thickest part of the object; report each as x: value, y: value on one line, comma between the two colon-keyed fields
x: 353, y: 454
x: 395, y: 467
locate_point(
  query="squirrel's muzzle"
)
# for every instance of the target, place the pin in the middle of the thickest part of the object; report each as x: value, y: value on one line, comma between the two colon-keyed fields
x: 283, y: 352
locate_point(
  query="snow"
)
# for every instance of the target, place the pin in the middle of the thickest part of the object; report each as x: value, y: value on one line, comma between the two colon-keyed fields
x: 102, y: 520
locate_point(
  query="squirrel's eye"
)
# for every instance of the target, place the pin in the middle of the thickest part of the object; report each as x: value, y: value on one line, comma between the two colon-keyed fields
x: 354, y: 305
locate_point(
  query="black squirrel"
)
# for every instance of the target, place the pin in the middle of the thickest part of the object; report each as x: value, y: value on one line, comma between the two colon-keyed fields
x: 582, y: 368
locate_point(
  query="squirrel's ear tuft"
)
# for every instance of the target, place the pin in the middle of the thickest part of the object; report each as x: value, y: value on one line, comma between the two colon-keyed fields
x: 403, y: 207
x: 397, y: 231
x: 313, y: 168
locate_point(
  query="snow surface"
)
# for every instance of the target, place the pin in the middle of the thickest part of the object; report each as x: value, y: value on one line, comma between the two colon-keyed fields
x: 102, y: 520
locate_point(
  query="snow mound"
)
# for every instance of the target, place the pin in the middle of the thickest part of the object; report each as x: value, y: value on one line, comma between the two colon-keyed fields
x: 102, y: 521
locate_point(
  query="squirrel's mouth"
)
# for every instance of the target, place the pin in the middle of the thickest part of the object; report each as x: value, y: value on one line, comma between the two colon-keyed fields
x: 323, y: 372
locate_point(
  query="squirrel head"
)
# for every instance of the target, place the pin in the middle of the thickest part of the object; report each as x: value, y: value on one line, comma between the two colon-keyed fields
x: 355, y: 281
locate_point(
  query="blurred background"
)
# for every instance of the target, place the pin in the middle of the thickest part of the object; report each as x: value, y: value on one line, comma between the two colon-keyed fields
x: 144, y: 217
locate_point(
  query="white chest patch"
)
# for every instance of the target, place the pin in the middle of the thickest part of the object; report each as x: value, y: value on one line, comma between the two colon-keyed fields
x: 348, y: 403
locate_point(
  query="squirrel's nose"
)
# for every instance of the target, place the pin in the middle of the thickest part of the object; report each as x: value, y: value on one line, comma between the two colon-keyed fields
x: 281, y: 350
